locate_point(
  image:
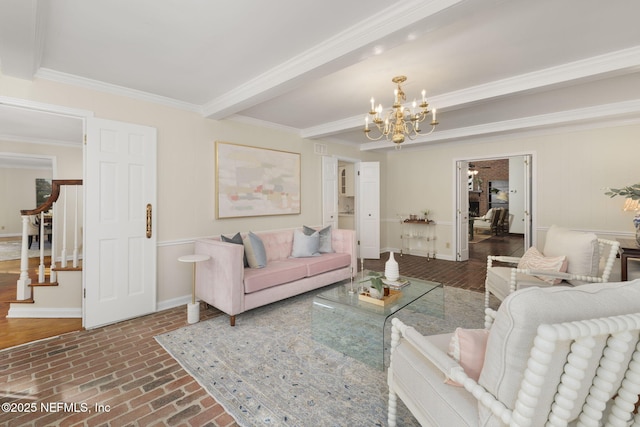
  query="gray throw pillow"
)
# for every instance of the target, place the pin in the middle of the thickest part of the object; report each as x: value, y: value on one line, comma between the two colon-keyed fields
x: 254, y: 249
x: 237, y: 239
x: 305, y: 246
x: 325, y: 246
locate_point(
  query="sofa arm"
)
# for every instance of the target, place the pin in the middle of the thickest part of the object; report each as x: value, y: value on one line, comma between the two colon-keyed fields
x: 220, y: 280
x: 344, y: 241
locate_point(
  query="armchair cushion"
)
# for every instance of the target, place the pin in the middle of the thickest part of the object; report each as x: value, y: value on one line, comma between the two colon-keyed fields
x: 467, y: 347
x: 515, y: 327
x: 581, y: 250
x: 534, y: 260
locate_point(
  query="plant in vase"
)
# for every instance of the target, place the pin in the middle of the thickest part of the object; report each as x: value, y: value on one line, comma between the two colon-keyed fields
x: 632, y: 203
x: 426, y: 213
x: 376, y: 289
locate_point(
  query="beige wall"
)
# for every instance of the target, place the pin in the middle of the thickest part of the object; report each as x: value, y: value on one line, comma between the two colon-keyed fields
x: 571, y: 170
x: 186, y: 170
x: 17, y: 186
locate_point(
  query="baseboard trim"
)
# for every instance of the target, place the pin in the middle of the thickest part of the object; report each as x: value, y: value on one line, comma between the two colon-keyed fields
x: 22, y: 312
x: 174, y: 302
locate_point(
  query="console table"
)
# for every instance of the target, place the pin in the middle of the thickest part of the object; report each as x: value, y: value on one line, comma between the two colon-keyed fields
x: 418, y: 238
x: 628, y: 249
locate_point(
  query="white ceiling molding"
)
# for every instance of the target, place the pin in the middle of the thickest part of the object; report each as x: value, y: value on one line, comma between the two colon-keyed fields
x: 332, y: 54
x: 70, y: 79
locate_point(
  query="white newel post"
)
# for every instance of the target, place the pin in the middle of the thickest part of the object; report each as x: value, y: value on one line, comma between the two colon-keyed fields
x: 23, y: 288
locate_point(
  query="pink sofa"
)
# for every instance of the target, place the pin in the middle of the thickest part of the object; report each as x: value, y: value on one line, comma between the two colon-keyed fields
x: 226, y: 284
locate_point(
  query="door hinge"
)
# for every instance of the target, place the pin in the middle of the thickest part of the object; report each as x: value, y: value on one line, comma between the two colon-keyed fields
x: 85, y: 139
x: 358, y: 242
x: 84, y: 293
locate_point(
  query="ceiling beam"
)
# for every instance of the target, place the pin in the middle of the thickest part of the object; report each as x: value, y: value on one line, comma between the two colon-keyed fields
x: 22, y: 24
x: 344, y: 49
x: 614, y: 63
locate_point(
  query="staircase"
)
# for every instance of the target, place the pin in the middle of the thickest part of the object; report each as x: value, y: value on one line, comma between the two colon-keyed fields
x: 58, y: 291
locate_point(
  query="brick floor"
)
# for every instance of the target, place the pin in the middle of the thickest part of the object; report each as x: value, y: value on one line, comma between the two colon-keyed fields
x: 119, y: 375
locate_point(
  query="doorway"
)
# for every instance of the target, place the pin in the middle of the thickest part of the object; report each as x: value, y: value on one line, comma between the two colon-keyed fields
x: 493, y: 184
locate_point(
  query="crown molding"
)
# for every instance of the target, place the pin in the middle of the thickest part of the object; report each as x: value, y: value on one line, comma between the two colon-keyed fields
x: 326, y: 56
x: 73, y: 80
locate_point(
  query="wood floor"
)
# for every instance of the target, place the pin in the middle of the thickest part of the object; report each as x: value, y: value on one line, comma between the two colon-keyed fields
x: 19, y: 331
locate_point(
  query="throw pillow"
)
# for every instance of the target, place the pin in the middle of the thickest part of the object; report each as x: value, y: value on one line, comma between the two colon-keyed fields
x: 581, y: 249
x: 305, y: 246
x: 237, y: 239
x: 467, y: 347
x: 325, y: 238
x: 534, y: 260
x: 254, y: 249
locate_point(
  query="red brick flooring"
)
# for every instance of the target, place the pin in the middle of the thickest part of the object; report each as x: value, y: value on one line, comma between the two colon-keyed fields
x: 134, y: 382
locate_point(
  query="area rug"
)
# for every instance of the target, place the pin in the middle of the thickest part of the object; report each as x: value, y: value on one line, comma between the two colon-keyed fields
x: 13, y: 249
x: 269, y: 371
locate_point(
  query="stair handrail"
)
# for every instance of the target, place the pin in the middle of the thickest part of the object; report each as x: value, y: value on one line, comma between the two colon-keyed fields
x: 56, y: 184
x: 23, y: 291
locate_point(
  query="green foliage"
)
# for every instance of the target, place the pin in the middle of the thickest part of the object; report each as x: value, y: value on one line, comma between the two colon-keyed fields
x: 632, y: 192
x: 376, y: 280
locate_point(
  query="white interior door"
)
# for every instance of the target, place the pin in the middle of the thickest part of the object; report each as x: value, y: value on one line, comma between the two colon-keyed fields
x: 120, y: 222
x: 529, y: 239
x: 330, y: 191
x: 462, y: 212
x: 368, y: 212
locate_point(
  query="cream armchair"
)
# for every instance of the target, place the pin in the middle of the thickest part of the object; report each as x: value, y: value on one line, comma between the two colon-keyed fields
x: 553, y: 355
x: 587, y: 259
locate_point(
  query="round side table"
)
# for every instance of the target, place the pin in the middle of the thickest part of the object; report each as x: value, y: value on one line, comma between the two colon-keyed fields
x: 193, y: 308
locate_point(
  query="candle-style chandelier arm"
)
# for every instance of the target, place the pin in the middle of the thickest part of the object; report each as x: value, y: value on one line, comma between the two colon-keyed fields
x: 400, y: 121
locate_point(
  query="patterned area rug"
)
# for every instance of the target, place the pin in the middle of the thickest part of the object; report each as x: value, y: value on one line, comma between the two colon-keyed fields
x: 269, y: 371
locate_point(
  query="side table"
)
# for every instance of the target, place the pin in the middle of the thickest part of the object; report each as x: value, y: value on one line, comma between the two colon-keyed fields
x: 193, y: 309
x: 628, y: 249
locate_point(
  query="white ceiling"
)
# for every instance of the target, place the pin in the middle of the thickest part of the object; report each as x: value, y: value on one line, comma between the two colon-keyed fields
x: 489, y: 66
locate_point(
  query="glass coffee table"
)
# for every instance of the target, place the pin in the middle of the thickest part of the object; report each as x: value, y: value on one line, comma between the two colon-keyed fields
x: 361, y: 329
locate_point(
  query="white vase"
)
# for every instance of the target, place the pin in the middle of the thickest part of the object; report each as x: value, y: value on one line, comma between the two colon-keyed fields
x: 391, y: 270
x: 374, y: 293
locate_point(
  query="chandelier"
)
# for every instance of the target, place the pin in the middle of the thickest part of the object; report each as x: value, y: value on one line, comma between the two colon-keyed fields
x: 400, y: 121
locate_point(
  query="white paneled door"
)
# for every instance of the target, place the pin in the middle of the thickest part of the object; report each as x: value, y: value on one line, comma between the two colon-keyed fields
x: 462, y: 213
x: 330, y: 191
x: 120, y: 222
x: 368, y: 213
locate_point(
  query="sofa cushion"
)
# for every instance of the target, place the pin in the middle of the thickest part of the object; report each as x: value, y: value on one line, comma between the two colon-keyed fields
x: 513, y: 331
x: 237, y: 239
x: 254, y: 249
x: 534, y: 260
x: 326, y: 262
x: 275, y: 273
x: 325, y: 238
x: 305, y: 245
x: 581, y: 250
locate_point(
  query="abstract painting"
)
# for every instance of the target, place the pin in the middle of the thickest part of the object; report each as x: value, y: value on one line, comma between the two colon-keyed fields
x: 252, y: 181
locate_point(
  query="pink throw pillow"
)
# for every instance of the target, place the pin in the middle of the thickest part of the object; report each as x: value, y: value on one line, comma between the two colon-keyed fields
x: 467, y: 347
x: 534, y: 260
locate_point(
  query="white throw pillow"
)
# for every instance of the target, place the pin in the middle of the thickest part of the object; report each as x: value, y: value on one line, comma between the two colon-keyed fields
x: 534, y: 260
x: 581, y: 250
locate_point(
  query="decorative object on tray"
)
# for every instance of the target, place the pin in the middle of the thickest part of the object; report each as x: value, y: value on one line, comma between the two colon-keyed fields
x: 631, y: 203
x: 391, y: 297
x: 391, y: 269
x: 376, y: 288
